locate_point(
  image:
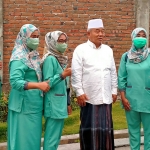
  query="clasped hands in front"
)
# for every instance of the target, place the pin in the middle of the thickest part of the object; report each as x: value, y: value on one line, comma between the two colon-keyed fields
x: 44, y: 86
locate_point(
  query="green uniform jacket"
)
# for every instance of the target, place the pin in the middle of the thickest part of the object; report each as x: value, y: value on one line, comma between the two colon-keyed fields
x: 55, y: 101
x: 134, y: 79
x: 28, y: 101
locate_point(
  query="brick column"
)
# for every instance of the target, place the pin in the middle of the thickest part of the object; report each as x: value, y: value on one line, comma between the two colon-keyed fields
x: 143, y: 14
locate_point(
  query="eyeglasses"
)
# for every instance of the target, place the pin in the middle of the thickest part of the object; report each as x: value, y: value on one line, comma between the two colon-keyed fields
x: 62, y: 41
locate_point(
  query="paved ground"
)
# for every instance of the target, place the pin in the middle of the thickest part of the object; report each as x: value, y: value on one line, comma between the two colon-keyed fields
x: 121, y: 141
x: 121, y: 144
x: 127, y: 148
x: 75, y: 146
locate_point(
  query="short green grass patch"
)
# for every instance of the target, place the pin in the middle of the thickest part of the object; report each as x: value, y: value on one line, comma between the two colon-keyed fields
x: 119, y: 119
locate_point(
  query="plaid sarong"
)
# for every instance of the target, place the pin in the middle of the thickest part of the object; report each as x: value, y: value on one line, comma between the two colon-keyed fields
x: 96, y: 129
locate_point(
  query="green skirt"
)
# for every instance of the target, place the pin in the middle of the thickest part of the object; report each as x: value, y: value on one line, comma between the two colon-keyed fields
x: 24, y: 131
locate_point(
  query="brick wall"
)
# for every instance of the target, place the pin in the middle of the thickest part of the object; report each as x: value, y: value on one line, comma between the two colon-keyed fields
x: 70, y: 16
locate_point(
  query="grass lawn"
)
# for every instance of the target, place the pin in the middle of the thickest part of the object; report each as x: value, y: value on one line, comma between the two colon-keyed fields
x: 119, y: 119
x: 72, y: 123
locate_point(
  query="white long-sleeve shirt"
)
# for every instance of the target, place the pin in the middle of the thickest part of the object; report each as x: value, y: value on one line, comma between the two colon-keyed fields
x: 94, y: 73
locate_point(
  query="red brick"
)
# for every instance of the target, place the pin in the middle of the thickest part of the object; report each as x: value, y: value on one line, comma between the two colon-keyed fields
x: 38, y: 15
x: 71, y: 17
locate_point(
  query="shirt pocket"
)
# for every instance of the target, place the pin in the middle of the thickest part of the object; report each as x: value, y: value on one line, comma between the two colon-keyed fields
x: 59, y: 94
x: 59, y: 105
x: 147, y: 89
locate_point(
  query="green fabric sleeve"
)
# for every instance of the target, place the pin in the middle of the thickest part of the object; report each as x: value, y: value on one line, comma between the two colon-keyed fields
x: 17, y: 73
x: 122, y: 74
x: 52, y: 71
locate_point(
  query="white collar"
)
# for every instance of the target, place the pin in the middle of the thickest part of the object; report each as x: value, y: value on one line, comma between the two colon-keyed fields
x: 93, y: 45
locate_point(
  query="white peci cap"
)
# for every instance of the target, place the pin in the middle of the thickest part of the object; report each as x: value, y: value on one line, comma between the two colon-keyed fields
x: 95, y: 23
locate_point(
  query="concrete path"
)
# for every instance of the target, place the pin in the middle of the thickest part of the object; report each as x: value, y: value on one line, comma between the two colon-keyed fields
x: 68, y: 142
x: 76, y: 147
x: 128, y: 148
x: 120, y: 144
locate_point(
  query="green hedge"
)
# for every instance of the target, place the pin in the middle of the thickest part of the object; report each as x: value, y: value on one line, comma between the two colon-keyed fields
x: 3, y: 107
x: 74, y: 104
x: 3, y: 116
x: 3, y: 132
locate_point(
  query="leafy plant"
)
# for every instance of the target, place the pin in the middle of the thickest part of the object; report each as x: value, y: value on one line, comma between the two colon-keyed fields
x: 3, y: 132
x: 74, y: 104
x: 3, y: 107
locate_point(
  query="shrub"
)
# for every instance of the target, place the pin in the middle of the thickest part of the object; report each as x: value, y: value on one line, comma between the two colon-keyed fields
x: 74, y: 104
x: 3, y: 132
x: 3, y: 107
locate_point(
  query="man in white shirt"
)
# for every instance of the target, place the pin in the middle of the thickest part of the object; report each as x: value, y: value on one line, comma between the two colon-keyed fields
x: 94, y: 80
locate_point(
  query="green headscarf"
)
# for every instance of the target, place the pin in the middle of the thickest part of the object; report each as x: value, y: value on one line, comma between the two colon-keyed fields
x: 50, y: 47
x: 21, y: 52
x: 134, y: 55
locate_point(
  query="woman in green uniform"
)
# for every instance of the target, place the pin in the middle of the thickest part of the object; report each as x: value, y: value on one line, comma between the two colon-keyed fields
x: 26, y: 95
x: 134, y: 86
x: 55, y: 101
